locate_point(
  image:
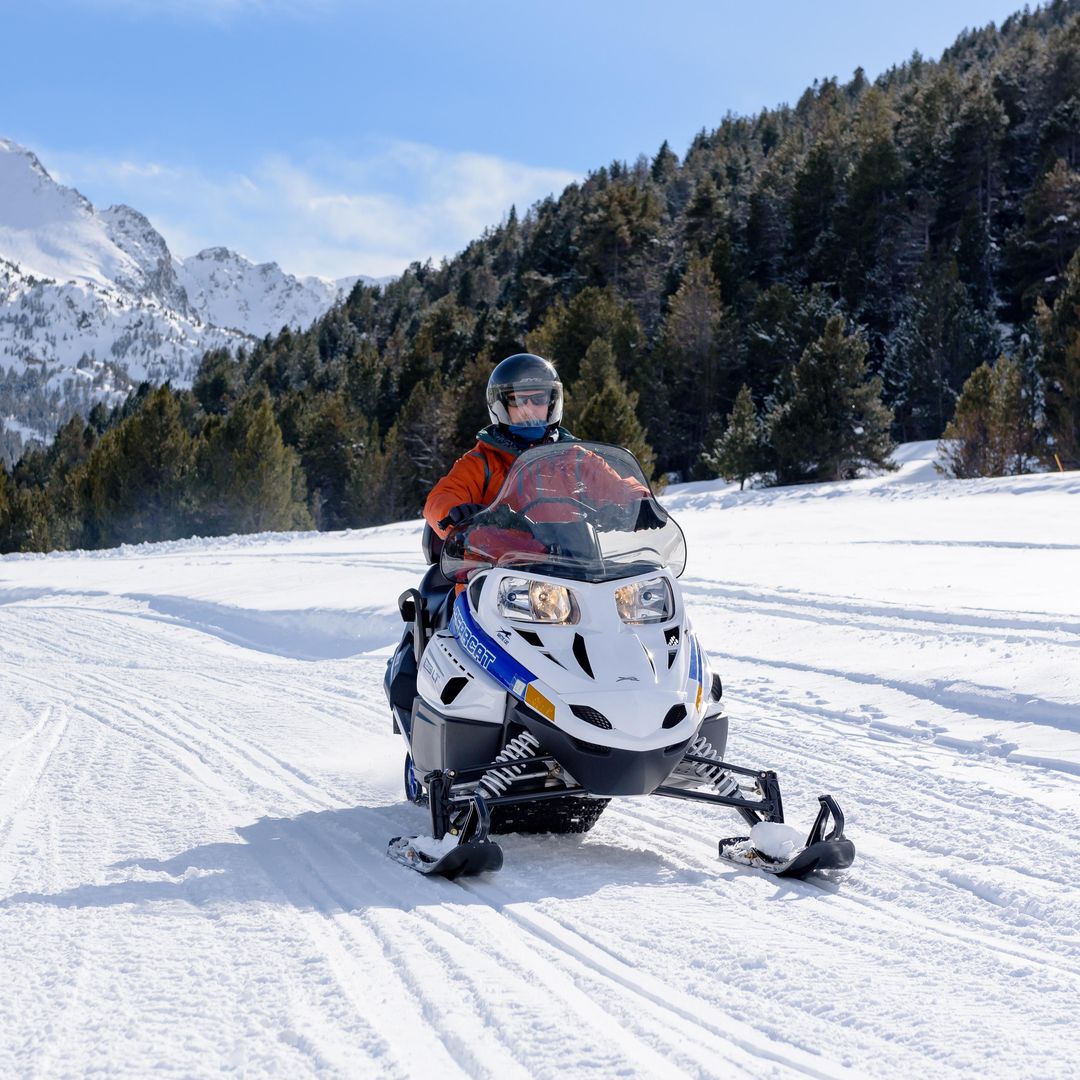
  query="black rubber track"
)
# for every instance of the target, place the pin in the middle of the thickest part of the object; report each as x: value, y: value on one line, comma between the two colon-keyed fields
x: 572, y: 814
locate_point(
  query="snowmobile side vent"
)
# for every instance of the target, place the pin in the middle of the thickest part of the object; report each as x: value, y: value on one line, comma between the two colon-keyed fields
x: 452, y: 688
x: 671, y: 639
x: 530, y: 637
x: 717, y: 690
x: 548, y: 656
x: 591, y: 716
x: 675, y: 716
x: 581, y: 655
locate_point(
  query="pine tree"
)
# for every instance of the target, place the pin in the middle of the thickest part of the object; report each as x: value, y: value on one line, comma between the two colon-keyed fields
x: 330, y: 445
x: 269, y: 490
x: 833, y: 422
x: 400, y: 495
x: 133, y: 486
x: 737, y: 454
x: 427, y: 428
x: 25, y: 525
x: 368, y: 479
x: 991, y: 432
x: 815, y: 195
x: 1039, y: 251
x: 601, y: 409
x: 664, y: 165
x: 218, y: 382
x: 697, y: 357
x: 1060, y: 367
x: 703, y: 219
x: 6, y: 491
x: 941, y: 338
x: 569, y: 329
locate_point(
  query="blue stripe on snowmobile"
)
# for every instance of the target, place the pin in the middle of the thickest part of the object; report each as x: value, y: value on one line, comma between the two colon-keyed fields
x: 487, y: 652
x: 695, y: 660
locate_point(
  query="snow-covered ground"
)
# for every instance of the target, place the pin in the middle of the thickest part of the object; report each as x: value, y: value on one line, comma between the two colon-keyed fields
x: 198, y: 778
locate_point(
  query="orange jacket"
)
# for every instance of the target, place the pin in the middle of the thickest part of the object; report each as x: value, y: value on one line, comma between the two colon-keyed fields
x: 474, y: 478
x: 477, y: 476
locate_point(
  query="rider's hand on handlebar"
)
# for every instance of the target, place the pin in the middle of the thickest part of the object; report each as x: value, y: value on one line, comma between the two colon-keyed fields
x: 647, y: 517
x: 460, y: 514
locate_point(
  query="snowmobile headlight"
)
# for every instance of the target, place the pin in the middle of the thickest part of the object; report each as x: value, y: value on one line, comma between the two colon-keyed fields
x: 645, y: 601
x: 528, y: 600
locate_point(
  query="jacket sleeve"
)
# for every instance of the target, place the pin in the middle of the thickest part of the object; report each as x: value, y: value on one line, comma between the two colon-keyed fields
x: 605, y: 485
x: 464, y: 483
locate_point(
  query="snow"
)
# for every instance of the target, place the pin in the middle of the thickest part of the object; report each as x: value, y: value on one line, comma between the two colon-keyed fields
x: 777, y: 840
x: 198, y: 779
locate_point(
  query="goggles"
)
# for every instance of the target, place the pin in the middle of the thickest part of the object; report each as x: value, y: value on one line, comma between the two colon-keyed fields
x: 516, y: 398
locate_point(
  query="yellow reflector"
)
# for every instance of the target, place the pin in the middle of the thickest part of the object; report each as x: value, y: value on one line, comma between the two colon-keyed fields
x: 537, y: 701
x: 698, y: 703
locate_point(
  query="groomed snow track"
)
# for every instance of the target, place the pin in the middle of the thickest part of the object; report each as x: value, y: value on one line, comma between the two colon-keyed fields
x: 196, y: 794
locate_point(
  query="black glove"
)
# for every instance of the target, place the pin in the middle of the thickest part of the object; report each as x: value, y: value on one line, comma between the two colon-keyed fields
x: 647, y: 517
x: 461, y: 514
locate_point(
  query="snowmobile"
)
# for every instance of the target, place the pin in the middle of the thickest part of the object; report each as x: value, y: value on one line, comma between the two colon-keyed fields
x: 548, y: 665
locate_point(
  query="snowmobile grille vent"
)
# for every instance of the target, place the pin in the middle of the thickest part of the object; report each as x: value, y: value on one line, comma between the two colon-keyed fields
x: 588, y: 747
x: 675, y: 715
x: 591, y: 716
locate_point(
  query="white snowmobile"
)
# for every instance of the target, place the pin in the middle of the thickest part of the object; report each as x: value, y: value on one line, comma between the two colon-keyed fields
x: 566, y: 672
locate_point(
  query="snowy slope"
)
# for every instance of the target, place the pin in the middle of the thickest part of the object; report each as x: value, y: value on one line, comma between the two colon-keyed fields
x: 229, y: 290
x: 198, y: 778
x: 98, y: 298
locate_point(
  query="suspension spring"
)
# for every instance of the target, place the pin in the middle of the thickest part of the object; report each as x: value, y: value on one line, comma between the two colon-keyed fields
x: 722, y: 783
x: 495, y: 782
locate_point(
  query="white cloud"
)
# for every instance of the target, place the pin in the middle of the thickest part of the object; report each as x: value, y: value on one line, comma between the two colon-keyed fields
x: 326, y: 215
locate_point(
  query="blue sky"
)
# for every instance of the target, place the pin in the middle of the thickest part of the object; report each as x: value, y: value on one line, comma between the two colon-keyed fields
x: 352, y: 136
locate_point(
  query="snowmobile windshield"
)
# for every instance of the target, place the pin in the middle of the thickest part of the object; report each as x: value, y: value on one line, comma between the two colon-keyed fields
x: 577, y: 510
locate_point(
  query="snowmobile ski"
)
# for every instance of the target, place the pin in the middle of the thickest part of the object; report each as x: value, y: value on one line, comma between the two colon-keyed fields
x: 428, y: 856
x: 458, y: 844
x: 770, y: 848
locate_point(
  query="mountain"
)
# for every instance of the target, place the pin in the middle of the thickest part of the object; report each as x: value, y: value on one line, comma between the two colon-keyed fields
x: 228, y: 290
x: 93, y: 301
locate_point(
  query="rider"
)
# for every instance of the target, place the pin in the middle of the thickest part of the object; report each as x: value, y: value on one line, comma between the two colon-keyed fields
x: 525, y: 403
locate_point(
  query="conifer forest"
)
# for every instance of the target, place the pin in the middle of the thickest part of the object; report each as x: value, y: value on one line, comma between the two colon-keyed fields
x: 880, y: 261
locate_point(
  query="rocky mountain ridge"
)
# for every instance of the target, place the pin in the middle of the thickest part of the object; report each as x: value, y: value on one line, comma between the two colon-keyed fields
x: 93, y: 301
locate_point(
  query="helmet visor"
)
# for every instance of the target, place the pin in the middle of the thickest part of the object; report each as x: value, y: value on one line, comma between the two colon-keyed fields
x: 526, y: 405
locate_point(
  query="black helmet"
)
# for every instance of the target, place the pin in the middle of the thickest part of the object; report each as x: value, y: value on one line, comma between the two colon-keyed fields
x: 520, y: 374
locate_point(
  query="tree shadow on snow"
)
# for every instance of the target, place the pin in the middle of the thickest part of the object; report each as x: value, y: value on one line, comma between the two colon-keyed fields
x: 335, y: 861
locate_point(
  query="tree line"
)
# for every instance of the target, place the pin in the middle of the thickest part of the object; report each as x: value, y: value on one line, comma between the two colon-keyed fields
x: 886, y: 260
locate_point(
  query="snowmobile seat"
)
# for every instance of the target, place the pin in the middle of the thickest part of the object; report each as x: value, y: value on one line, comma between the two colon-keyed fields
x: 431, y: 544
x: 433, y: 598
x: 435, y: 587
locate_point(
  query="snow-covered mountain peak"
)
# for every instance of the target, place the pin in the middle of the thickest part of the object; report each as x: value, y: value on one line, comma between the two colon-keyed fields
x: 81, y: 286
x: 12, y: 149
x: 48, y: 230
x: 256, y: 298
x: 133, y: 234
